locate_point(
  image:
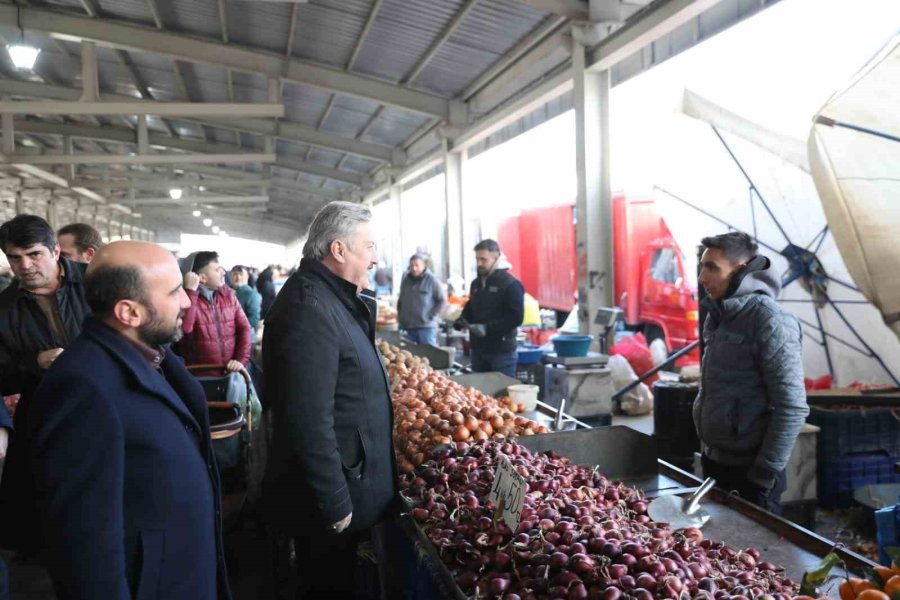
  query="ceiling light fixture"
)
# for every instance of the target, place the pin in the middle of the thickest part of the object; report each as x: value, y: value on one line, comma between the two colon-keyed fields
x: 196, y: 213
x: 175, y: 193
x: 22, y: 55
x: 207, y: 222
x: 215, y: 229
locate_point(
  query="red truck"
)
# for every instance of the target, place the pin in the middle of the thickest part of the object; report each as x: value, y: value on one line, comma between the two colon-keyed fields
x: 651, y: 285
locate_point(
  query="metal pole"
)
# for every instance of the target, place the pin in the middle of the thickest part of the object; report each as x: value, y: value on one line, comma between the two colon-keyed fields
x: 90, y: 80
x: 655, y: 370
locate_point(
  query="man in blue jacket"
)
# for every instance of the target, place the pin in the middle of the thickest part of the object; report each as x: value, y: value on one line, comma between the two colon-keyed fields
x: 127, y: 488
x: 752, y: 401
x: 495, y: 309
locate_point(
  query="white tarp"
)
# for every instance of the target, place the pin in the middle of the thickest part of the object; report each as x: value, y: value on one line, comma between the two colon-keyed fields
x: 857, y: 175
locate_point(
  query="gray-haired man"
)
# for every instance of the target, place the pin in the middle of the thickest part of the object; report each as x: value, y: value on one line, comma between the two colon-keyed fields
x: 330, y: 476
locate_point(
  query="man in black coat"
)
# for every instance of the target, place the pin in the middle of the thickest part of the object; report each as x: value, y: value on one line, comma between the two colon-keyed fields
x: 40, y: 313
x: 330, y: 475
x: 127, y: 486
x: 495, y: 309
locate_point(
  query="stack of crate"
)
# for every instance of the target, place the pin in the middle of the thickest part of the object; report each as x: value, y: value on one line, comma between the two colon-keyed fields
x: 857, y: 446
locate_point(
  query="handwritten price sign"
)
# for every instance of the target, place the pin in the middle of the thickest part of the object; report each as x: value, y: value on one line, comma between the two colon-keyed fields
x: 508, y: 494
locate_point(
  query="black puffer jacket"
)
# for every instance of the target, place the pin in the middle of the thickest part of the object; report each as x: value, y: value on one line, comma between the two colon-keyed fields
x: 752, y: 402
x: 331, y: 452
x: 24, y: 333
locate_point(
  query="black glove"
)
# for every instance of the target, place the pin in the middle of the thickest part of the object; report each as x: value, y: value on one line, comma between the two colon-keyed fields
x: 460, y: 324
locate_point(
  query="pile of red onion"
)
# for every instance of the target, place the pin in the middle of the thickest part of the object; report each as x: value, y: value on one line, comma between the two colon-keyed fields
x: 580, y: 536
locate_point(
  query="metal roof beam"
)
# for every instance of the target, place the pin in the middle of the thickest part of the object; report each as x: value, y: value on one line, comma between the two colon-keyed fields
x: 298, y: 164
x: 191, y: 200
x: 571, y: 9
x: 436, y: 46
x: 296, y: 186
x: 121, y: 135
x: 143, y: 107
x: 167, y: 184
x: 285, y: 130
x: 146, y: 159
x: 656, y: 21
x: 131, y: 37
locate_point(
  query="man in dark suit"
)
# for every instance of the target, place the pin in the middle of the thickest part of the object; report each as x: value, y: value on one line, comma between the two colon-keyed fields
x: 127, y: 487
x: 330, y: 476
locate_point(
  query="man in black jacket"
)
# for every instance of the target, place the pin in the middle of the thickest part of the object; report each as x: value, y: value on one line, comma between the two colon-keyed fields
x: 40, y: 313
x: 494, y: 312
x: 330, y: 476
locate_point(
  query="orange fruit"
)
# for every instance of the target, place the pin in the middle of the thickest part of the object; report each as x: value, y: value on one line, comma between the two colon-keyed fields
x: 873, y: 595
x: 853, y: 587
x: 884, y: 572
x: 892, y: 586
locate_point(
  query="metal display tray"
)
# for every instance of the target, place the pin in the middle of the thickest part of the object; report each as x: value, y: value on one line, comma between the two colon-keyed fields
x: 629, y: 456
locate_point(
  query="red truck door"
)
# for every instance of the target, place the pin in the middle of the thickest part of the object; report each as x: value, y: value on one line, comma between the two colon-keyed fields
x: 666, y: 301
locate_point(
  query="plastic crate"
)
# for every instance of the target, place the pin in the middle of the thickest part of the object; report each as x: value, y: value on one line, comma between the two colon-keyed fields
x: 887, y: 522
x: 839, y: 477
x: 856, y: 430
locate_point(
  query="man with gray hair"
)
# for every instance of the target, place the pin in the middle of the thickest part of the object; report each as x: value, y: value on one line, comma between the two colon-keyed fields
x: 330, y: 477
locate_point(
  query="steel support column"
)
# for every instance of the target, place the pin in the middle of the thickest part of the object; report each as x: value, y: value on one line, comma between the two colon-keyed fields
x: 454, y: 251
x: 398, y: 266
x: 20, y: 203
x: 594, y: 205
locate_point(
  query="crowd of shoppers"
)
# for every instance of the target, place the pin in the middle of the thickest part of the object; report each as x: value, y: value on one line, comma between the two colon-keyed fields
x: 111, y: 480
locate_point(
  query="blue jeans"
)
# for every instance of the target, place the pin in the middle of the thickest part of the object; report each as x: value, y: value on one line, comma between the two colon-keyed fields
x: 422, y: 335
x: 505, y: 363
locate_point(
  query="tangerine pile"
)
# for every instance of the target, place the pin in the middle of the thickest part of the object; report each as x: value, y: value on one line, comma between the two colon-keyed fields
x: 885, y: 585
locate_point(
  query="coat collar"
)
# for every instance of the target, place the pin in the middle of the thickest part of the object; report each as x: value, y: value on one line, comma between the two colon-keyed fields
x: 362, y: 305
x: 144, y: 373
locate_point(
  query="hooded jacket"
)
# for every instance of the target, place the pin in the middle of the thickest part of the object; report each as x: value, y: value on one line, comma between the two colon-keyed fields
x: 498, y: 302
x: 752, y: 401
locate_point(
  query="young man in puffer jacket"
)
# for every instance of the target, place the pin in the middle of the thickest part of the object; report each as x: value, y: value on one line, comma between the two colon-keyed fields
x: 752, y: 401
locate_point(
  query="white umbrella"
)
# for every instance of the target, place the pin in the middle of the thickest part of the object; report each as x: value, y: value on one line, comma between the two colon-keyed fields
x: 854, y: 155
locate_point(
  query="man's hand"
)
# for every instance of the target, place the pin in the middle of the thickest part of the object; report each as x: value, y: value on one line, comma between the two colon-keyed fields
x: 233, y: 366
x: 46, y: 358
x: 460, y: 324
x: 343, y: 524
x: 4, y: 441
x: 191, y: 281
x: 477, y: 330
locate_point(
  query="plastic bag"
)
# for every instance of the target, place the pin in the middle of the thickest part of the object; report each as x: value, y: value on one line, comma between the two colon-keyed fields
x: 635, y: 349
x: 638, y: 401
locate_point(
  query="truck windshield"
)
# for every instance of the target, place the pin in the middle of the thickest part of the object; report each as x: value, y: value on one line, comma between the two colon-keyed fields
x: 664, y: 267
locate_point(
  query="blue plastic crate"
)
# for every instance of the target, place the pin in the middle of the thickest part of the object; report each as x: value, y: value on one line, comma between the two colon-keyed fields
x: 838, y: 477
x: 856, y: 430
x: 887, y: 520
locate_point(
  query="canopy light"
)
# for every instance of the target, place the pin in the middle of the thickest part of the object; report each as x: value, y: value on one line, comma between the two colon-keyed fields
x: 207, y: 222
x: 222, y: 233
x: 202, y: 188
x: 175, y: 193
x: 23, y: 56
x: 215, y: 229
x: 196, y: 213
